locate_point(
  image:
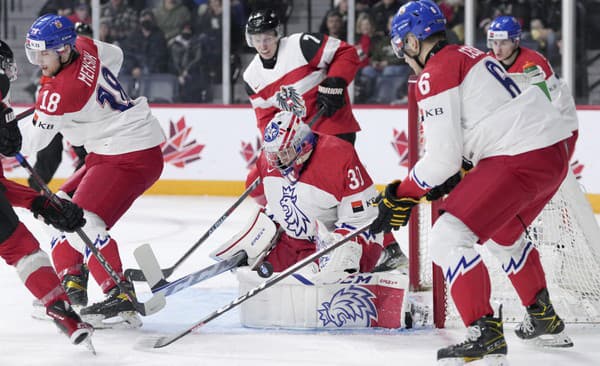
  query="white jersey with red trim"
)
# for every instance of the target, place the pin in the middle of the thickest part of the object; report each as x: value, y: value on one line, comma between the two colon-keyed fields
x: 560, y: 95
x: 470, y: 108
x: 303, y: 61
x: 333, y: 188
x: 87, y: 104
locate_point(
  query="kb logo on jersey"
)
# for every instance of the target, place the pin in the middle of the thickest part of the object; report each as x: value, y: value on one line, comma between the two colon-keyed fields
x: 432, y: 112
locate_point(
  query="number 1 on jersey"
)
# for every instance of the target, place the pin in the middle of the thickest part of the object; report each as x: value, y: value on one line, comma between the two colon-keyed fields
x: 119, y: 101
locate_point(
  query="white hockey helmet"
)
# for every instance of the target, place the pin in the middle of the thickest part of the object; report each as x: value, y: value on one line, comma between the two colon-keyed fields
x: 287, y: 142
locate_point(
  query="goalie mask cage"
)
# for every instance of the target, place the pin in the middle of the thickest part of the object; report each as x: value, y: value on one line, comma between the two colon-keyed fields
x: 566, y: 235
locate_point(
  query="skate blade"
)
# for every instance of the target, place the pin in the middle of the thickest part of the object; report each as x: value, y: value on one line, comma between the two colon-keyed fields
x: 39, y: 310
x: 124, y: 320
x: 489, y: 360
x: 89, y: 345
x: 560, y: 340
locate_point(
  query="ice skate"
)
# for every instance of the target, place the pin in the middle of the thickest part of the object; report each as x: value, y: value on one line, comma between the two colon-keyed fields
x: 485, y: 341
x: 391, y: 258
x: 542, y: 326
x: 76, y: 288
x: 116, y: 311
x: 67, y: 320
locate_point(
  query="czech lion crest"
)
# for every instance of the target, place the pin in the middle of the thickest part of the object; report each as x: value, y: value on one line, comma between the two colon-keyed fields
x: 349, y: 304
x: 295, y: 219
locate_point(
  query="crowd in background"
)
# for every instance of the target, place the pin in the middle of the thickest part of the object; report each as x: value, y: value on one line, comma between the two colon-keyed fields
x: 183, y: 38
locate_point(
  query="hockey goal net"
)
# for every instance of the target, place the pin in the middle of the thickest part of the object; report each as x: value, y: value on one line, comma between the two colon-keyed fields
x: 566, y: 235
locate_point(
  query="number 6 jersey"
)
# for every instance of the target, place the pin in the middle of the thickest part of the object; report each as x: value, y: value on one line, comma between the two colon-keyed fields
x: 87, y: 104
x: 470, y: 108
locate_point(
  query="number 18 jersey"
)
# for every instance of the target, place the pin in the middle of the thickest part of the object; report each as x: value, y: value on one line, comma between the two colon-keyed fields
x: 87, y: 104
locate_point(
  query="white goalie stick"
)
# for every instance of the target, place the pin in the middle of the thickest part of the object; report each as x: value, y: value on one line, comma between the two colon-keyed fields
x: 138, y: 275
x: 164, y: 341
x: 151, y: 306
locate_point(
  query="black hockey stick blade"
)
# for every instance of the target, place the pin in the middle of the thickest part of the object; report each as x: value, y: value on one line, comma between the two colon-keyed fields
x: 164, y: 341
x: 137, y: 275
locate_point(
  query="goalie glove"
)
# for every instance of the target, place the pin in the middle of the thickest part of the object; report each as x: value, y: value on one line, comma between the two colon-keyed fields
x: 330, y: 95
x: 394, y: 211
x: 10, y: 135
x: 68, y: 217
x: 336, y: 265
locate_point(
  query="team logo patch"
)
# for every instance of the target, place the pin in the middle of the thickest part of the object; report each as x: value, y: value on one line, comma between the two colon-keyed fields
x: 290, y: 100
x: 357, y: 206
x: 296, y: 220
x: 271, y: 132
x: 351, y: 305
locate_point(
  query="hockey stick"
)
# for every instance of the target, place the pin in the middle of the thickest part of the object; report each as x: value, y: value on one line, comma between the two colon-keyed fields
x: 24, y: 114
x: 153, y: 305
x: 167, y: 340
x: 147, y: 261
x: 316, y: 117
x: 138, y: 275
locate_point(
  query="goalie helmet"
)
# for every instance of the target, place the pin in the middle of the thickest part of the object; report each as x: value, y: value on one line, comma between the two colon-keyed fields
x: 49, y: 32
x: 504, y: 27
x: 262, y: 21
x: 288, y: 142
x: 421, y: 18
x: 7, y: 61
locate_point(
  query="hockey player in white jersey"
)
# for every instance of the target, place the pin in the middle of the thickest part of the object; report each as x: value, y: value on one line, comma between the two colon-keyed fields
x: 81, y: 97
x: 18, y: 247
x: 470, y: 109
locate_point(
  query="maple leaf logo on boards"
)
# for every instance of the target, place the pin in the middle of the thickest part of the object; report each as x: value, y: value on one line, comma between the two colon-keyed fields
x: 400, y: 145
x: 176, y: 149
x: 250, y: 153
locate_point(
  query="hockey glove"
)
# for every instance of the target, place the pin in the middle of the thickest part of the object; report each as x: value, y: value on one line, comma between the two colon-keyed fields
x: 10, y: 135
x: 330, y: 95
x: 443, y: 189
x: 394, y: 212
x: 68, y: 217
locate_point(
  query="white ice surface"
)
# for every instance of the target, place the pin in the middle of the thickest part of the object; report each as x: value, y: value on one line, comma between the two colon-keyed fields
x: 172, y: 225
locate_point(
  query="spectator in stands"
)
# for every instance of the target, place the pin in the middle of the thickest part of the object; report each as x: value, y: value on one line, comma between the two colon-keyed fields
x: 391, y: 73
x: 120, y: 18
x: 145, y: 50
x: 186, y: 62
x: 171, y: 16
x: 335, y: 25
x: 546, y: 39
x: 104, y: 32
x: 81, y: 13
x: 381, y: 13
x: 365, y: 36
x: 341, y: 7
x: 59, y: 7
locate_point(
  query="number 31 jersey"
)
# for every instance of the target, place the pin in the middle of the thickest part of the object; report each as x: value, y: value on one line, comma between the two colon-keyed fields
x: 87, y: 104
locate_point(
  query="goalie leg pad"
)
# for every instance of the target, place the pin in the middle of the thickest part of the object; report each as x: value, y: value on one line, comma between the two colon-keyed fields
x: 361, y: 301
x: 256, y: 238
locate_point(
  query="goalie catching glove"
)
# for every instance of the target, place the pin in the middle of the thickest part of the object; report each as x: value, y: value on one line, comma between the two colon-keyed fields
x: 68, y: 217
x: 394, y: 211
x: 330, y: 95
